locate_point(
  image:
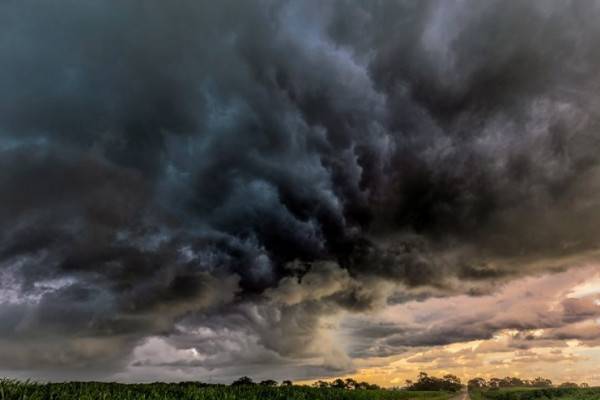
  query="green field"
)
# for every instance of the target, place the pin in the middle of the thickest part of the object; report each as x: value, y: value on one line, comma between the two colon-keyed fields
x: 537, y: 393
x: 12, y: 390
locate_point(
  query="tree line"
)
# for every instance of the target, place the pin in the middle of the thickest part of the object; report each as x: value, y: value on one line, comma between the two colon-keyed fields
x: 448, y: 383
x: 349, y: 383
x: 424, y: 382
x: 511, y: 381
x: 247, y: 381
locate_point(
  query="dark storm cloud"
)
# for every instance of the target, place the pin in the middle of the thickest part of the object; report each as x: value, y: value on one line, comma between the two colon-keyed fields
x: 292, y: 160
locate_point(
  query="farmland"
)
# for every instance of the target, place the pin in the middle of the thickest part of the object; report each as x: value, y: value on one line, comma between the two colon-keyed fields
x: 528, y: 393
x: 13, y: 390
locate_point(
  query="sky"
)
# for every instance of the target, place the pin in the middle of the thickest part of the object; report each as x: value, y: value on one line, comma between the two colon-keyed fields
x: 201, y: 190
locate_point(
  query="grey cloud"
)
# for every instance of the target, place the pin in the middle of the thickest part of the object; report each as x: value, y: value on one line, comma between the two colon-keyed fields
x: 161, y: 160
x: 547, y: 315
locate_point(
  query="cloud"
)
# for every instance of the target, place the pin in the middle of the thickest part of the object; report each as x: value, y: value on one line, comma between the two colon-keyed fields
x: 533, y: 313
x: 264, y: 168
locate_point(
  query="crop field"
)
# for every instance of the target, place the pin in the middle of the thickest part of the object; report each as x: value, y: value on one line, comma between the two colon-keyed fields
x: 13, y: 390
x: 537, y: 393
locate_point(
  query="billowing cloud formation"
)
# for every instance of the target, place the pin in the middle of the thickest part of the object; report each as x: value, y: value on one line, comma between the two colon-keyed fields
x: 254, y: 170
x: 546, y: 325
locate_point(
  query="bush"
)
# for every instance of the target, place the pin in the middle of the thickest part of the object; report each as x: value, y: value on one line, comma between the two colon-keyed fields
x: 243, y: 381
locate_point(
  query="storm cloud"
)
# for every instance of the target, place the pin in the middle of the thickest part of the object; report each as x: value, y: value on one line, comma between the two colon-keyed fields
x: 254, y: 170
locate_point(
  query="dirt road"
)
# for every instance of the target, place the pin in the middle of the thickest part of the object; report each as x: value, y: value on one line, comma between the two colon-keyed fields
x: 463, y: 395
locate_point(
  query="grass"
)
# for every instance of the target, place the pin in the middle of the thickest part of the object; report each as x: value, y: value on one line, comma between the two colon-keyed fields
x: 14, y: 390
x: 536, y: 393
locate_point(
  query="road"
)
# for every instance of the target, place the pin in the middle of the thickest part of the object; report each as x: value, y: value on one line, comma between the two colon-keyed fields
x: 463, y: 395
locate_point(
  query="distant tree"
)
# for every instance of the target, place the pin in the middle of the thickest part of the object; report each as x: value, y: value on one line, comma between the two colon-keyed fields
x: 286, y: 383
x: 515, y: 382
x: 365, y: 386
x: 338, y: 384
x: 584, y: 385
x: 268, y: 382
x: 243, y: 381
x: 449, y: 383
x: 452, y: 379
x: 509, y: 381
x: 477, y: 383
x: 568, y: 385
x: 351, y: 383
x: 494, y: 382
x: 541, y: 382
x: 348, y: 384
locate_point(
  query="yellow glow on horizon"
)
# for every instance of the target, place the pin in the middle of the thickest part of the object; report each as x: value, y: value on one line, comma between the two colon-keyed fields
x: 572, y: 363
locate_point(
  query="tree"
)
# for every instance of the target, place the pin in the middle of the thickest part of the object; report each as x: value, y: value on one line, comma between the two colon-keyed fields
x: 355, y: 385
x: 268, y: 382
x: 450, y: 383
x: 568, y: 385
x: 338, y: 384
x: 477, y: 383
x: 243, y: 381
x: 513, y: 382
x: 541, y: 382
x: 286, y: 383
x: 451, y: 379
x: 351, y: 383
x: 494, y: 382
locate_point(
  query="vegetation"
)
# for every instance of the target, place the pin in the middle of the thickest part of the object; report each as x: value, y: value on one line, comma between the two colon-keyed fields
x: 530, y: 393
x: 346, y: 384
x: 509, y: 381
x: 243, y: 389
x: 448, y: 383
x: 424, y: 388
x: 511, y: 388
